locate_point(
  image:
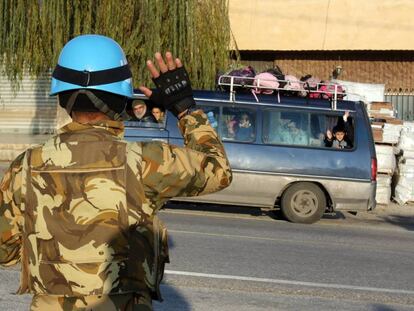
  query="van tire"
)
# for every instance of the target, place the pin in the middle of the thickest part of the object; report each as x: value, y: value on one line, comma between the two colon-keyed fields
x: 303, y: 202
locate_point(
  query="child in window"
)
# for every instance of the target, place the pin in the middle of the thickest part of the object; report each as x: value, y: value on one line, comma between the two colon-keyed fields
x: 245, y: 129
x: 337, y: 140
x: 231, y: 128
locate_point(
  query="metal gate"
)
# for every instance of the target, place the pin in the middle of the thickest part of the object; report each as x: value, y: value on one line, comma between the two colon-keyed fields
x: 28, y: 109
x: 403, y: 103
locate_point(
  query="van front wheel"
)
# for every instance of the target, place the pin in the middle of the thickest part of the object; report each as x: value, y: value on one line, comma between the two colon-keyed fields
x: 303, y: 203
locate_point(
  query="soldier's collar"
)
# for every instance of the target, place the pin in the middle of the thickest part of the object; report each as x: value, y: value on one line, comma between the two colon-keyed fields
x: 114, y: 127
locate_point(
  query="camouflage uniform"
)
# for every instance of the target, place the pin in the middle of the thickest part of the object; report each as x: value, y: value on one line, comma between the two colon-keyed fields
x: 78, y: 212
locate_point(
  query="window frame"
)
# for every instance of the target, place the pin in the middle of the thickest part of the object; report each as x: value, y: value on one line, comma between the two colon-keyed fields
x: 253, y: 110
x: 336, y: 113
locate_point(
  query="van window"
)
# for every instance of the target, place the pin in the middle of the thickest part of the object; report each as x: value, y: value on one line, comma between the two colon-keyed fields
x: 304, y: 128
x: 238, y: 124
x: 147, y: 121
x: 212, y: 113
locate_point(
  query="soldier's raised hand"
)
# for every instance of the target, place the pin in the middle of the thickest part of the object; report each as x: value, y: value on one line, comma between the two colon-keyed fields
x: 173, y: 88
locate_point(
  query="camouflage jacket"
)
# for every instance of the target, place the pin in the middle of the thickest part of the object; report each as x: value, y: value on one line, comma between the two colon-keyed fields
x: 78, y: 212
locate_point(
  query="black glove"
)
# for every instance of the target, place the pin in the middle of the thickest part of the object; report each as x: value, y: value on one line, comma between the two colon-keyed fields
x: 173, y: 91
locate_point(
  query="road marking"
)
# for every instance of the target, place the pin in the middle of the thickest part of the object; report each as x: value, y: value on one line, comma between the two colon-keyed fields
x: 233, y: 236
x: 290, y: 282
x: 218, y: 215
x: 352, y: 244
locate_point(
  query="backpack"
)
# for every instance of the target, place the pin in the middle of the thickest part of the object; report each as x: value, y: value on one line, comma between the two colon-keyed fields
x: 277, y: 72
x: 329, y: 90
x: 265, y: 79
x: 245, y: 76
x: 311, y: 84
x: 293, y: 87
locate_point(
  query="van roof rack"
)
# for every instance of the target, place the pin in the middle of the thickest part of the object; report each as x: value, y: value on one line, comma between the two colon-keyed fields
x: 234, y: 82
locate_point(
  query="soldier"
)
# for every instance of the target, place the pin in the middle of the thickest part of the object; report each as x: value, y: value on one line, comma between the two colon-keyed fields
x: 79, y: 211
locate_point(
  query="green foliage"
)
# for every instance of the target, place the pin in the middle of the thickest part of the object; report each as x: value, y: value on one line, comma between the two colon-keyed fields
x: 34, y: 31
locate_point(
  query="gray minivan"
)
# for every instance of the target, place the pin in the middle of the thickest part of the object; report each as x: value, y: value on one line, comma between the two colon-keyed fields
x: 279, y: 155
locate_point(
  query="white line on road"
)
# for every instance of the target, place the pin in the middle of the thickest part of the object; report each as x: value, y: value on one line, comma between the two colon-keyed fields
x: 224, y: 235
x: 220, y: 215
x: 290, y: 282
x: 351, y: 244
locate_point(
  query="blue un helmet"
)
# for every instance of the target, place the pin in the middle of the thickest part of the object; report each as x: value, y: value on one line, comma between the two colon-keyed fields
x: 95, y: 66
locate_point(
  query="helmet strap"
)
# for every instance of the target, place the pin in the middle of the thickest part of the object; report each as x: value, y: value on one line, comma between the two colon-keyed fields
x: 90, y: 78
x: 71, y: 102
x: 98, y: 103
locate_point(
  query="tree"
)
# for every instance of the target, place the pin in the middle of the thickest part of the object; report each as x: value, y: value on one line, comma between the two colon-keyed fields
x: 34, y: 31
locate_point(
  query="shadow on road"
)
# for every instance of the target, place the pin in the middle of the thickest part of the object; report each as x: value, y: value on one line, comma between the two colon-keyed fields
x: 397, y: 219
x: 226, y: 209
x: 381, y: 307
x: 173, y: 300
x: 388, y: 217
x: 274, y: 213
x: 403, y: 221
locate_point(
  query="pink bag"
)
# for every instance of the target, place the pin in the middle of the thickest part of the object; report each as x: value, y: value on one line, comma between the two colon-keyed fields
x: 294, y: 86
x: 329, y: 90
x: 265, y: 79
x: 311, y: 85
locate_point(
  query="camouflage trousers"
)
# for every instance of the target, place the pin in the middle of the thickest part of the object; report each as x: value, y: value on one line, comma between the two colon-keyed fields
x: 120, y: 302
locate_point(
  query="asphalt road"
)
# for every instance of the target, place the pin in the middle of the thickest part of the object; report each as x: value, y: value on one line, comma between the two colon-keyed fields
x: 227, y: 259
x: 249, y: 261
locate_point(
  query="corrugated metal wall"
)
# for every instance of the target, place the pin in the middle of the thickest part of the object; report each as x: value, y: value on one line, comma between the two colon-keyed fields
x: 28, y: 109
x: 403, y: 103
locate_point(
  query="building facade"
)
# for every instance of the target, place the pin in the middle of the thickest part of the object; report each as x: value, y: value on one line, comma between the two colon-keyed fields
x: 371, y: 41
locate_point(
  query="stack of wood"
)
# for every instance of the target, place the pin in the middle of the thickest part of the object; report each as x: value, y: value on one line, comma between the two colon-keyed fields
x: 386, y: 129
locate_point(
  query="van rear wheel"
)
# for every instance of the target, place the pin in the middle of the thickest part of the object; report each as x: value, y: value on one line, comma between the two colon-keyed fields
x: 303, y: 203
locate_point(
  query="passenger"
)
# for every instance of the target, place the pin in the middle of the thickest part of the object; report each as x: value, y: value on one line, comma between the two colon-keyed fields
x: 337, y: 140
x: 292, y: 135
x: 231, y: 128
x: 279, y: 131
x: 317, y: 140
x: 245, y: 129
x: 158, y: 114
x: 344, y: 124
x: 141, y: 113
x: 317, y: 135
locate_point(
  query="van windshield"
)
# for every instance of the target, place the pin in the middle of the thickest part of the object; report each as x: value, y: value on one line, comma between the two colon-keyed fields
x: 312, y: 129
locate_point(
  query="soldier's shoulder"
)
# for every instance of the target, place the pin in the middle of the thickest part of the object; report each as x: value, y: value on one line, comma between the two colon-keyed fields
x: 17, y: 162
